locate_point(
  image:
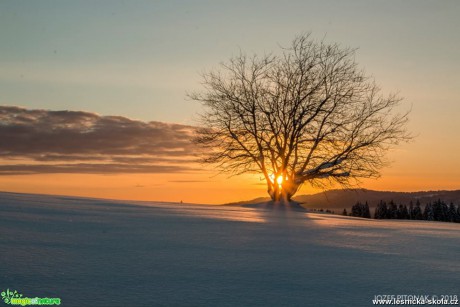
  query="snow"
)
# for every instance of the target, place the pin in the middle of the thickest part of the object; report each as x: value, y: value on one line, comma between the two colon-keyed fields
x: 92, y: 252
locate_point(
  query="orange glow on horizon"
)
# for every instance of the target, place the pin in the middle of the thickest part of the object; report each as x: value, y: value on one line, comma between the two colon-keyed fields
x: 193, y: 188
x: 404, y: 175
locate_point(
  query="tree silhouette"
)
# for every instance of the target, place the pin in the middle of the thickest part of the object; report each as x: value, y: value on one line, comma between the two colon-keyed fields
x: 392, y: 212
x: 411, y: 211
x: 417, y: 214
x: 452, y: 213
x: 403, y: 213
x: 428, y: 213
x: 356, y: 210
x: 366, y: 212
x: 381, y: 211
x: 308, y: 115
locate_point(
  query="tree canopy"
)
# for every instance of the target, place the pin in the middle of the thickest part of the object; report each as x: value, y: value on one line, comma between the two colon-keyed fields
x: 308, y: 114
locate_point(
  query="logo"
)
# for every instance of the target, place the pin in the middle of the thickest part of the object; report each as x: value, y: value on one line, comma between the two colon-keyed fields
x: 14, y: 298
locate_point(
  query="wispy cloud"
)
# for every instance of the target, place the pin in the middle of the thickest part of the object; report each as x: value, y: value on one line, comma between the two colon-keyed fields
x: 83, y: 142
x: 188, y: 181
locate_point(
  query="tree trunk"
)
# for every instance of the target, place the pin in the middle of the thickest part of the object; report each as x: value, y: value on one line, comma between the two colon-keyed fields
x: 282, y: 193
x: 279, y: 195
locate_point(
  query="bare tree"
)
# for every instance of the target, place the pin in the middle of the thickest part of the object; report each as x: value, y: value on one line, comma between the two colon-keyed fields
x: 307, y: 115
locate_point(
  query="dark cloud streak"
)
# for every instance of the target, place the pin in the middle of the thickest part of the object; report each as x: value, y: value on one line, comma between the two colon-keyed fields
x: 57, y: 141
x: 90, y: 168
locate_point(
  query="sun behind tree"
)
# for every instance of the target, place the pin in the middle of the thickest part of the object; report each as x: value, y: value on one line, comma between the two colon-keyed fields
x: 306, y: 115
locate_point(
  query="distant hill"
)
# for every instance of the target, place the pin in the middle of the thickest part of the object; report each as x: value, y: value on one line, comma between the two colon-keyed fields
x: 337, y: 200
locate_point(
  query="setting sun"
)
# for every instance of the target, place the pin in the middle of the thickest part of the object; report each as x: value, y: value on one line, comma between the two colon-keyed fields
x: 279, y: 180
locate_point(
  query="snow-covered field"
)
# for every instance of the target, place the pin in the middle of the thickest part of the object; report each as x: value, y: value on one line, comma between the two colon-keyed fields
x: 108, y: 253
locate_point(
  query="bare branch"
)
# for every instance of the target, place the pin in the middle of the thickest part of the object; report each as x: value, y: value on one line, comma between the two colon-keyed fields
x: 307, y: 115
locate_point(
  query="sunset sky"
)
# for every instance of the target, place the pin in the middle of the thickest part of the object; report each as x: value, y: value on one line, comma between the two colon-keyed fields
x: 124, y: 69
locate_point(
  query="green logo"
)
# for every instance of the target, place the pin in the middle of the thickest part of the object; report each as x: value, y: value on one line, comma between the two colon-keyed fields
x: 15, y: 298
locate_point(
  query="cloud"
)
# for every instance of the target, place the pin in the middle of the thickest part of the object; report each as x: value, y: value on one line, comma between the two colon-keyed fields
x: 88, y: 168
x: 83, y: 142
x: 188, y: 181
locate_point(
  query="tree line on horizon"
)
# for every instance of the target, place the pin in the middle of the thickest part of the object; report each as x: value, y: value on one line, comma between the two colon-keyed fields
x: 436, y: 211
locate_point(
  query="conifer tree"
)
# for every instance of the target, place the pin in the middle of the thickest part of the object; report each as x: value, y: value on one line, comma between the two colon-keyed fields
x: 445, y: 212
x: 457, y: 220
x: 418, y: 211
x: 451, y: 213
x: 403, y: 214
x: 356, y: 210
x: 381, y: 210
x: 392, y: 211
x: 428, y: 213
x: 365, y: 212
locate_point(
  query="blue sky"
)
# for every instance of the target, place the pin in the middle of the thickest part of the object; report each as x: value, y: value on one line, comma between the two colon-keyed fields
x: 139, y: 58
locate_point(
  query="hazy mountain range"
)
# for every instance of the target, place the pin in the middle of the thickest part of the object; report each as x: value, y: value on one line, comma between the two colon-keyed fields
x: 337, y: 200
